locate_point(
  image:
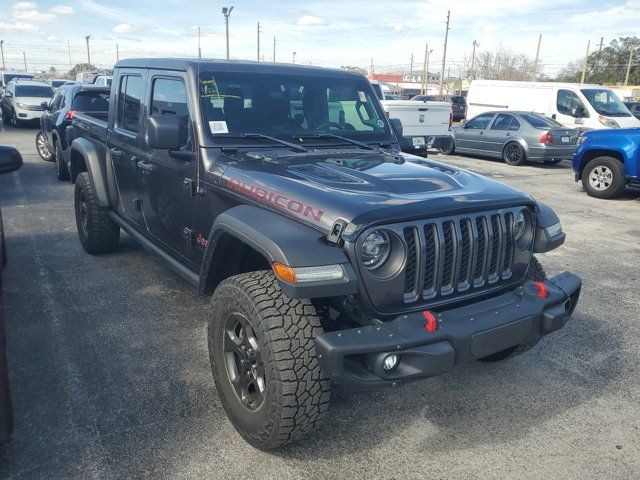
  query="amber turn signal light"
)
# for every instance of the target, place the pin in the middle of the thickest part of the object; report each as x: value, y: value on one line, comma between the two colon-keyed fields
x: 284, y: 273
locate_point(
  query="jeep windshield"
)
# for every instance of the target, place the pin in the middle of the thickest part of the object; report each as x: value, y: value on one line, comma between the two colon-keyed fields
x: 606, y: 103
x: 299, y: 108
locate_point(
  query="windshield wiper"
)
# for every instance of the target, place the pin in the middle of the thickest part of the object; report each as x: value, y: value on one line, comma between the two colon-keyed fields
x: 293, y: 146
x: 331, y: 135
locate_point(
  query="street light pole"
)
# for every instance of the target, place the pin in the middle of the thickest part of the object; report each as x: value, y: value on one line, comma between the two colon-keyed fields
x: 444, y: 53
x: 24, y: 56
x: 2, y: 51
x: 473, y: 61
x: 88, y: 54
x: 227, y: 13
x: 294, y: 57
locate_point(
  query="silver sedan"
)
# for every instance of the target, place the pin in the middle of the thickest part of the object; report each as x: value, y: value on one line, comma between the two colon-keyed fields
x: 515, y: 137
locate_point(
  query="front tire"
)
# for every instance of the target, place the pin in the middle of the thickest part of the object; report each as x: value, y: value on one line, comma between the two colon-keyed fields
x: 97, y: 232
x: 62, y: 172
x: 535, y: 273
x: 263, y: 358
x: 15, y: 123
x: 41, y: 147
x: 603, y: 177
x: 449, y: 148
x: 6, y: 118
x: 513, y: 154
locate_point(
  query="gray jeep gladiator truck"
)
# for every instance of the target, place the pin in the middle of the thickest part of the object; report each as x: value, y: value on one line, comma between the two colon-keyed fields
x: 329, y: 256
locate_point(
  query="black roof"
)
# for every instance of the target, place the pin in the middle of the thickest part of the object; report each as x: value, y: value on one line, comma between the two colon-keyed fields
x: 190, y: 64
x: 83, y: 87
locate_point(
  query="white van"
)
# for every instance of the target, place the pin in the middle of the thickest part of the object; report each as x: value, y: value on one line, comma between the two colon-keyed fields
x: 574, y: 105
x: 86, y: 77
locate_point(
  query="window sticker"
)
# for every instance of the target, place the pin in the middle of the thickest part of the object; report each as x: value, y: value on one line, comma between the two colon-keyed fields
x: 218, y: 126
x: 380, y: 123
x: 362, y: 96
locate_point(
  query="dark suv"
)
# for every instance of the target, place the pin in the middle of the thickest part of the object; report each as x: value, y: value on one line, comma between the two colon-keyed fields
x: 51, y: 141
x: 281, y: 192
x: 458, y: 104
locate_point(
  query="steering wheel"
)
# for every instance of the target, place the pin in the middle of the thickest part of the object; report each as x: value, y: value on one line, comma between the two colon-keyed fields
x: 337, y: 126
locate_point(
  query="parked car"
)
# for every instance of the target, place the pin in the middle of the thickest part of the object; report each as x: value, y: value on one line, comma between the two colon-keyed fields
x: 607, y: 161
x: 24, y: 100
x: 634, y: 108
x: 281, y: 191
x: 51, y: 140
x: 458, y: 104
x: 574, y: 105
x: 516, y: 137
x: 424, y: 126
x: 103, y: 80
x: 6, y: 77
x: 57, y: 83
x: 10, y: 160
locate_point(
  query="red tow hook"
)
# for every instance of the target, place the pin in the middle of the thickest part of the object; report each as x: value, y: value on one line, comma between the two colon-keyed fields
x: 431, y: 324
x: 542, y: 289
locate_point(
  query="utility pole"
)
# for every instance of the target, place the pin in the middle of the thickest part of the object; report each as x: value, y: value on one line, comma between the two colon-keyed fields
x: 444, y: 54
x: 586, y: 60
x: 258, y: 41
x: 199, y: 49
x: 118, y: 53
x: 371, y: 68
x: 626, y: 79
x: 227, y: 13
x: 294, y: 57
x: 534, y: 73
x: 423, y: 90
x: 274, y: 48
x: 472, y: 73
x: 69, y: 50
x: 600, y: 47
x: 4, y: 67
x: 24, y: 56
x: 411, y: 69
x: 88, y: 54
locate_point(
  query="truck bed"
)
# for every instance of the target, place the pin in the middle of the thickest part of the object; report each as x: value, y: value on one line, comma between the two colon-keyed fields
x: 428, y: 119
x: 92, y: 125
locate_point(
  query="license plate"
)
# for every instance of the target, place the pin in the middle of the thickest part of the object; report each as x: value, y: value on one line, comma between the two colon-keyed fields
x: 565, y: 139
x: 418, y: 141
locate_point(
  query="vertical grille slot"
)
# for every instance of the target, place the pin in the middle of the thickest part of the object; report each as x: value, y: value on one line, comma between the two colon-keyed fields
x: 496, y: 240
x: 466, y: 246
x: 450, y: 250
x: 483, y: 251
x: 431, y: 259
x: 411, y: 269
x: 509, y: 246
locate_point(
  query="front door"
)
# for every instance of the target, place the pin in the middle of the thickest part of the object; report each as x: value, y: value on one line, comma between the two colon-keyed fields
x: 165, y: 175
x: 124, y: 142
x: 567, y: 102
x: 472, y: 135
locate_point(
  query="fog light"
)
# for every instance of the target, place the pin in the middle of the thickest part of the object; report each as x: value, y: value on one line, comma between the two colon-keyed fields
x: 391, y: 362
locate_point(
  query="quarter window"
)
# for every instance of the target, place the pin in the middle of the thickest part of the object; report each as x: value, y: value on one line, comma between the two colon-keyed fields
x: 130, y: 94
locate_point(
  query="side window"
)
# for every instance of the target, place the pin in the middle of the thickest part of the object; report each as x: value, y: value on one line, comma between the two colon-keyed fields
x: 505, y: 122
x: 567, y: 101
x: 63, y: 99
x: 55, y: 101
x: 480, y: 122
x: 514, y: 125
x: 169, y: 97
x: 130, y: 94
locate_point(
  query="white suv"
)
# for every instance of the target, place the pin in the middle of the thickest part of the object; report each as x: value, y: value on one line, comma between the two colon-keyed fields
x: 25, y: 100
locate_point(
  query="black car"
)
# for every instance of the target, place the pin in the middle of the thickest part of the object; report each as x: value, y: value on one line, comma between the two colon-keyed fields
x: 51, y: 141
x: 458, y: 104
x: 330, y: 256
x: 634, y: 108
x: 10, y: 160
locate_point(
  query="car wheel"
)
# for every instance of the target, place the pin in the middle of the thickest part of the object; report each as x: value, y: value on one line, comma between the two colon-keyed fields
x: 449, y: 148
x: 6, y: 118
x: 603, y: 177
x: 62, y: 172
x: 97, y: 232
x: 513, y: 154
x: 15, y: 123
x: 263, y: 358
x: 41, y: 147
x: 535, y: 273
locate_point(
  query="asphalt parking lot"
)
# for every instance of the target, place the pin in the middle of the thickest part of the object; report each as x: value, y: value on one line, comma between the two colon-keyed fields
x: 110, y: 376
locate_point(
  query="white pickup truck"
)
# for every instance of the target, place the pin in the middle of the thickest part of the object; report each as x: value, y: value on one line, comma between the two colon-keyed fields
x: 425, y: 124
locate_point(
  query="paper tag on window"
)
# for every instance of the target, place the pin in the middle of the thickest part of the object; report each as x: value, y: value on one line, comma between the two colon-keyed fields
x: 362, y: 96
x: 218, y: 126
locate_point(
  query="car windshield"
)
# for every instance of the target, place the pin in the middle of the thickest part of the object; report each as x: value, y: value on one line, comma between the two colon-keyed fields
x: 606, y: 103
x: 459, y: 100
x: 291, y: 106
x: 538, y: 121
x: 34, y: 91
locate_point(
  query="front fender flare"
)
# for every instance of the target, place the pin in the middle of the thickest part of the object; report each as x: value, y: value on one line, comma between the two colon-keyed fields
x: 283, y: 240
x: 100, y: 171
x: 546, y: 217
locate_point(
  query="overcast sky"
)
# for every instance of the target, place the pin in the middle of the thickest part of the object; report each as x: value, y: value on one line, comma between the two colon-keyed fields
x: 326, y: 33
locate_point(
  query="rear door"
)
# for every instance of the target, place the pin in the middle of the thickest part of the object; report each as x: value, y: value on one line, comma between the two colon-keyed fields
x: 125, y: 140
x: 504, y: 128
x: 167, y: 205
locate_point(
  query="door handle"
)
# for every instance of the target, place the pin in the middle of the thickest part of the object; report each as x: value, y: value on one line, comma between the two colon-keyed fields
x: 481, y: 132
x: 145, y: 167
x: 115, y: 152
x: 508, y: 134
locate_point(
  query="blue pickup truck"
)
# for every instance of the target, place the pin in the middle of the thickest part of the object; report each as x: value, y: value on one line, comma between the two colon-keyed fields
x: 607, y: 161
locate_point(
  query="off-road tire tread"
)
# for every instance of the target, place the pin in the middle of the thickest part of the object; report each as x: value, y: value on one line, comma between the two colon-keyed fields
x: 103, y: 233
x: 290, y: 326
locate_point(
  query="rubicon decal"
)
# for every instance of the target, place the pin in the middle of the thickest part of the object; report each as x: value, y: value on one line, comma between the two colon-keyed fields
x: 276, y: 199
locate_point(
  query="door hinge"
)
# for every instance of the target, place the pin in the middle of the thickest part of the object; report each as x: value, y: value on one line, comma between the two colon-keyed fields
x: 137, y: 204
x: 190, y: 185
x: 336, y: 231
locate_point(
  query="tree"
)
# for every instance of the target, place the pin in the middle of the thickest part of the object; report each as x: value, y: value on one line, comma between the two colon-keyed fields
x: 607, y: 66
x: 79, y: 67
x: 53, y: 72
x: 501, y: 64
x: 354, y: 69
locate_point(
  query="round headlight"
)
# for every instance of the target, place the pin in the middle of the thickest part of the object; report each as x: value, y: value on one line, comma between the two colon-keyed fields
x: 375, y: 249
x: 521, y: 224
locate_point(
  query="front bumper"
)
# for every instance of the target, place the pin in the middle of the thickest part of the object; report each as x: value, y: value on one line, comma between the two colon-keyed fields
x: 355, y: 357
x: 28, y: 115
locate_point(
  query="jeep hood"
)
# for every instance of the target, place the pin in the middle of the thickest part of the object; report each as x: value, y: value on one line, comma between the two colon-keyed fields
x: 362, y: 187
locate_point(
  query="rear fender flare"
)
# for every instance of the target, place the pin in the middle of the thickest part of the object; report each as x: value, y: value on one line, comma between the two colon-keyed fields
x: 100, y: 171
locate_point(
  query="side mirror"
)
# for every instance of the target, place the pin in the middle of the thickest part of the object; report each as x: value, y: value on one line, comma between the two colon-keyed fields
x: 164, y: 132
x: 10, y: 160
x: 45, y: 105
x: 463, y: 123
x: 396, y: 125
